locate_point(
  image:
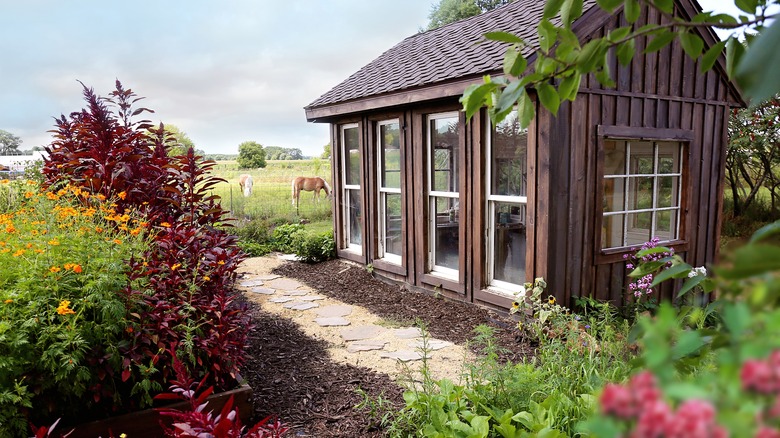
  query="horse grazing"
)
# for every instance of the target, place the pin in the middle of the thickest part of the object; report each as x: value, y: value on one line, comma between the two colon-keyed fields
x: 314, y: 184
x: 245, y: 181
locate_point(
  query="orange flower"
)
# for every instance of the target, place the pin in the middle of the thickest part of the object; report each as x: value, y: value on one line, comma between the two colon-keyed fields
x: 175, y: 266
x: 98, y: 229
x: 9, y: 301
x: 221, y: 262
x: 53, y: 242
x: 122, y: 195
x: 77, y: 269
x: 129, y: 330
x: 135, y: 231
x: 51, y: 196
x: 101, y: 196
x: 117, y: 241
x: 63, y: 308
x: 54, y: 269
x: 29, y: 195
x: 10, y: 228
x: 19, y: 252
x: 39, y: 251
x: 5, y: 181
x: 206, y: 278
x: 165, y: 224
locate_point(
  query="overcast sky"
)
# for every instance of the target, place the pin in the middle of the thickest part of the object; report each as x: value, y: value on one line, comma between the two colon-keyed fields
x: 223, y: 72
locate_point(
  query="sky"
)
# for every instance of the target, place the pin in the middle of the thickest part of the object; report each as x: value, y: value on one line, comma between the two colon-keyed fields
x: 223, y: 72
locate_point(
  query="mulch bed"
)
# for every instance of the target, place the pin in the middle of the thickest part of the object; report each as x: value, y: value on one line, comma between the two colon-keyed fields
x: 293, y: 377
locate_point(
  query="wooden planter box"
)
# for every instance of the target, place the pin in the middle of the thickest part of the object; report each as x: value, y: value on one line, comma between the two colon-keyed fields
x: 146, y: 423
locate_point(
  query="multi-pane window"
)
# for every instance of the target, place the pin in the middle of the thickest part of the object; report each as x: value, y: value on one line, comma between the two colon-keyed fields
x: 506, y: 196
x: 352, y: 206
x: 642, y: 195
x: 389, y: 152
x: 442, y: 144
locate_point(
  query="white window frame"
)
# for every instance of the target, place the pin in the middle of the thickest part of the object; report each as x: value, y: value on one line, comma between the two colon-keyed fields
x: 348, y: 190
x: 382, y: 193
x: 627, y: 176
x: 442, y: 271
x: 495, y: 285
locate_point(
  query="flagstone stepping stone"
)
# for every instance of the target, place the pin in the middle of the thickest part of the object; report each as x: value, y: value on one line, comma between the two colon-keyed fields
x: 300, y: 306
x: 365, y: 345
x: 402, y: 355
x: 262, y: 290
x: 251, y: 283
x: 361, y: 332
x: 311, y: 298
x: 284, y: 283
x: 407, y: 333
x: 267, y: 277
x: 281, y: 299
x: 289, y: 257
x: 335, y: 310
x: 295, y: 293
x: 333, y: 321
x: 432, y: 344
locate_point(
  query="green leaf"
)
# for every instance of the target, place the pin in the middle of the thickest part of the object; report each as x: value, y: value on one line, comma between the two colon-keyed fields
x: 736, y: 317
x: 618, y: 34
x: 692, y: 44
x: 689, y: 342
x: 751, y: 260
x: 661, y: 40
x: 632, y: 10
x: 591, y: 56
x: 551, y: 9
x: 571, y: 10
x: 765, y: 231
x: 711, y: 55
x: 509, y: 96
x: 649, y: 251
x: 665, y: 5
x: 758, y: 71
x: 549, y: 97
x: 505, y: 37
x: 474, y: 97
x: 625, y: 52
x: 685, y: 391
x: 609, y: 5
x: 548, y: 34
x: 676, y: 271
x: 514, y: 62
x: 735, y: 51
x: 525, y: 110
x: 569, y: 86
x: 748, y: 6
x: 690, y: 284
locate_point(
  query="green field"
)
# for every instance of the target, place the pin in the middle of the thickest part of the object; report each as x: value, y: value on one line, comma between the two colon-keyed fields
x: 271, y: 197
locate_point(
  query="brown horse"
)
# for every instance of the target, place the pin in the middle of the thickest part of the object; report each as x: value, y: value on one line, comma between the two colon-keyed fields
x: 245, y: 182
x: 314, y: 184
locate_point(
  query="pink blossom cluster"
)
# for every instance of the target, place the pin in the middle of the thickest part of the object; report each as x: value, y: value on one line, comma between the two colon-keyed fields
x: 642, y: 286
x: 763, y: 377
x: 640, y: 401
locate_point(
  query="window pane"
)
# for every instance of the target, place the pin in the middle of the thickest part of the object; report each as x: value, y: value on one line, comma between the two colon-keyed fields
x: 614, y: 194
x: 640, y: 193
x: 666, y: 224
x: 389, y: 137
x: 443, y: 146
x: 509, y: 243
x: 667, y: 191
x: 446, y: 236
x: 612, y: 231
x: 392, y: 225
x: 352, y: 156
x: 638, y: 229
x: 668, y: 157
x: 508, y: 154
x: 354, y: 213
x: 642, y: 157
x: 614, y: 157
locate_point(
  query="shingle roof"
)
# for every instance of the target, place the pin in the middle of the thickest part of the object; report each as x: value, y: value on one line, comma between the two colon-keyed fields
x: 453, y: 51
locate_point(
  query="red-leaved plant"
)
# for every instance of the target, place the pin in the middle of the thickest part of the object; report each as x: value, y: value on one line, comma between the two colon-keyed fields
x: 198, y: 421
x: 180, y: 294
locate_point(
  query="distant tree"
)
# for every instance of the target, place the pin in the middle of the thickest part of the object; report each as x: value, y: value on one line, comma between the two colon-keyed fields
x: 180, y: 141
x: 251, y: 155
x: 280, y: 153
x: 450, y: 11
x: 9, y: 143
x: 325, y: 152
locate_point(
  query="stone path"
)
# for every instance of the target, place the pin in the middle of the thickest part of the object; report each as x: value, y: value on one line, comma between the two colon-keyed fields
x: 354, y: 335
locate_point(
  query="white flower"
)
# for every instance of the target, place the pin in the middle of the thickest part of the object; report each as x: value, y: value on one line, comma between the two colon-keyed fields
x: 700, y: 271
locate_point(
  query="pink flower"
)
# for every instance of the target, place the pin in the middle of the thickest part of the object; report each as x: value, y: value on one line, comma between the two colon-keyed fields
x: 757, y: 375
x: 693, y: 419
x: 766, y: 432
x: 652, y: 421
x: 616, y: 400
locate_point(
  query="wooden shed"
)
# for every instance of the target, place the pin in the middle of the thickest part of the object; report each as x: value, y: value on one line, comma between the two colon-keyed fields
x: 472, y: 212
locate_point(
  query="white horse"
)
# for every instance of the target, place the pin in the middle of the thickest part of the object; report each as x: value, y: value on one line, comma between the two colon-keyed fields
x: 245, y: 181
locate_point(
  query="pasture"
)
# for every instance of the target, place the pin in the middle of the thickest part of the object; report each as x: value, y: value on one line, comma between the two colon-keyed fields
x: 271, y: 198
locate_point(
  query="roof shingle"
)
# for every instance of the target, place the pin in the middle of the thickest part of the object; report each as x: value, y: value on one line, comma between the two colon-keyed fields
x: 453, y: 51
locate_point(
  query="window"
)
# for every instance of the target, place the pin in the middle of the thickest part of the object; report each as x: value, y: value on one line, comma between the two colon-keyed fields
x: 350, y: 171
x: 389, y: 152
x: 443, y: 196
x: 641, y: 197
x: 506, y: 197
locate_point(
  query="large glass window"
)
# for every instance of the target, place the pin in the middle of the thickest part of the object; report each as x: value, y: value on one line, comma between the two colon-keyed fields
x: 389, y: 152
x: 352, y: 206
x: 443, y: 144
x: 641, y: 197
x: 507, y: 190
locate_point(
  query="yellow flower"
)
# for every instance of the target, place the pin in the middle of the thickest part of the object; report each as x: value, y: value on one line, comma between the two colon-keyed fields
x: 63, y: 308
x: 52, y: 196
x: 551, y: 300
x: 9, y: 301
x: 206, y: 278
x: 5, y: 181
x: 122, y: 195
x: 221, y: 262
x: 19, y: 252
x: 98, y: 229
x: 29, y: 195
x: 54, y: 269
x: 101, y: 196
x: 515, y: 305
x: 135, y: 231
x: 53, y: 242
x: 165, y: 224
x: 175, y: 266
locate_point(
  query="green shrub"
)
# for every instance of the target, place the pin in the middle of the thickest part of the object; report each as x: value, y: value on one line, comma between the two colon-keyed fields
x: 313, y: 247
x: 254, y: 249
x: 283, y: 237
